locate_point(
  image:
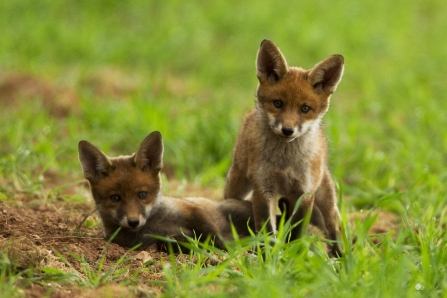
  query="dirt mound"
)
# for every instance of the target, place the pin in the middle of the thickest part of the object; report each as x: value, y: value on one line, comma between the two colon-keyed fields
x: 17, y: 88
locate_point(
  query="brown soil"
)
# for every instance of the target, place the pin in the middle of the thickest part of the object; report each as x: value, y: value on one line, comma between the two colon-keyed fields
x: 38, y: 234
x: 41, y: 236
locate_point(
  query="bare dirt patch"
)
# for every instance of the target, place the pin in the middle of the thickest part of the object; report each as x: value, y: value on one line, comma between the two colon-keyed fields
x: 38, y: 234
x: 42, y: 236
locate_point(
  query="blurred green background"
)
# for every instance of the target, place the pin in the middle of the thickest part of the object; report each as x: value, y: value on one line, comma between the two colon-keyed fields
x: 112, y: 72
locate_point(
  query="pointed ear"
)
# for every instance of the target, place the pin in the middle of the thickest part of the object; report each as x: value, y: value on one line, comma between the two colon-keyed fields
x: 94, y: 162
x: 271, y: 66
x: 150, y: 154
x: 325, y: 75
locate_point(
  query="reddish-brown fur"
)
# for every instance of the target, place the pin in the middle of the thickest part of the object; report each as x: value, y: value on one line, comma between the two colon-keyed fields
x: 127, y: 193
x: 281, y: 149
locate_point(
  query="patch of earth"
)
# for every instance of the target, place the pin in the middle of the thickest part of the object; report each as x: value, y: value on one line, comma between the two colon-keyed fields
x: 38, y: 234
x: 42, y: 236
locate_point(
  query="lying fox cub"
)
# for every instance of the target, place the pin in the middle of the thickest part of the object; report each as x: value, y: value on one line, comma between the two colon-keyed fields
x: 126, y: 190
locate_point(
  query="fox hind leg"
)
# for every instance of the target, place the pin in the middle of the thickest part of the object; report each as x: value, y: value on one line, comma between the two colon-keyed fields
x: 238, y: 185
x: 326, y: 202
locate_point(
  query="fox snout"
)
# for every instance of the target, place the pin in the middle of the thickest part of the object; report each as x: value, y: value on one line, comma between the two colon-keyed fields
x: 287, y: 131
x: 132, y: 214
x: 132, y: 222
x: 290, y: 128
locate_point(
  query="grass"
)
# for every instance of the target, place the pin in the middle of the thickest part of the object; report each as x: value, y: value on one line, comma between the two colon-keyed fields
x: 187, y: 70
x: 9, y: 277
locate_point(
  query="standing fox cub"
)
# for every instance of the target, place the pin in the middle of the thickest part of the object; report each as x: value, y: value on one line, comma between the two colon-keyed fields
x: 126, y: 190
x: 281, y: 149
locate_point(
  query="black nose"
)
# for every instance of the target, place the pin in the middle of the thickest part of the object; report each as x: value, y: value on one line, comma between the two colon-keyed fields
x: 133, y: 222
x: 287, y: 131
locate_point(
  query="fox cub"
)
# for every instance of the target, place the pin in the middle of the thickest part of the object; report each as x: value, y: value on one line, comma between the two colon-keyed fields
x: 281, y: 149
x: 126, y: 190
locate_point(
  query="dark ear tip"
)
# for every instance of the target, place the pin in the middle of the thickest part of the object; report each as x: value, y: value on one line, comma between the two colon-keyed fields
x: 265, y: 41
x: 82, y: 143
x: 339, y: 57
x: 155, y: 134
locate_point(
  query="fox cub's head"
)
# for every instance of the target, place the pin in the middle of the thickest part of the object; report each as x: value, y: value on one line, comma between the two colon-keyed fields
x: 125, y: 188
x: 293, y: 99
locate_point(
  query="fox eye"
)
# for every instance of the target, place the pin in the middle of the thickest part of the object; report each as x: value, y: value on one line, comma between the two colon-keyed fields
x: 115, y: 198
x: 305, y: 109
x: 142, y: 195
x: 277, y: 103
